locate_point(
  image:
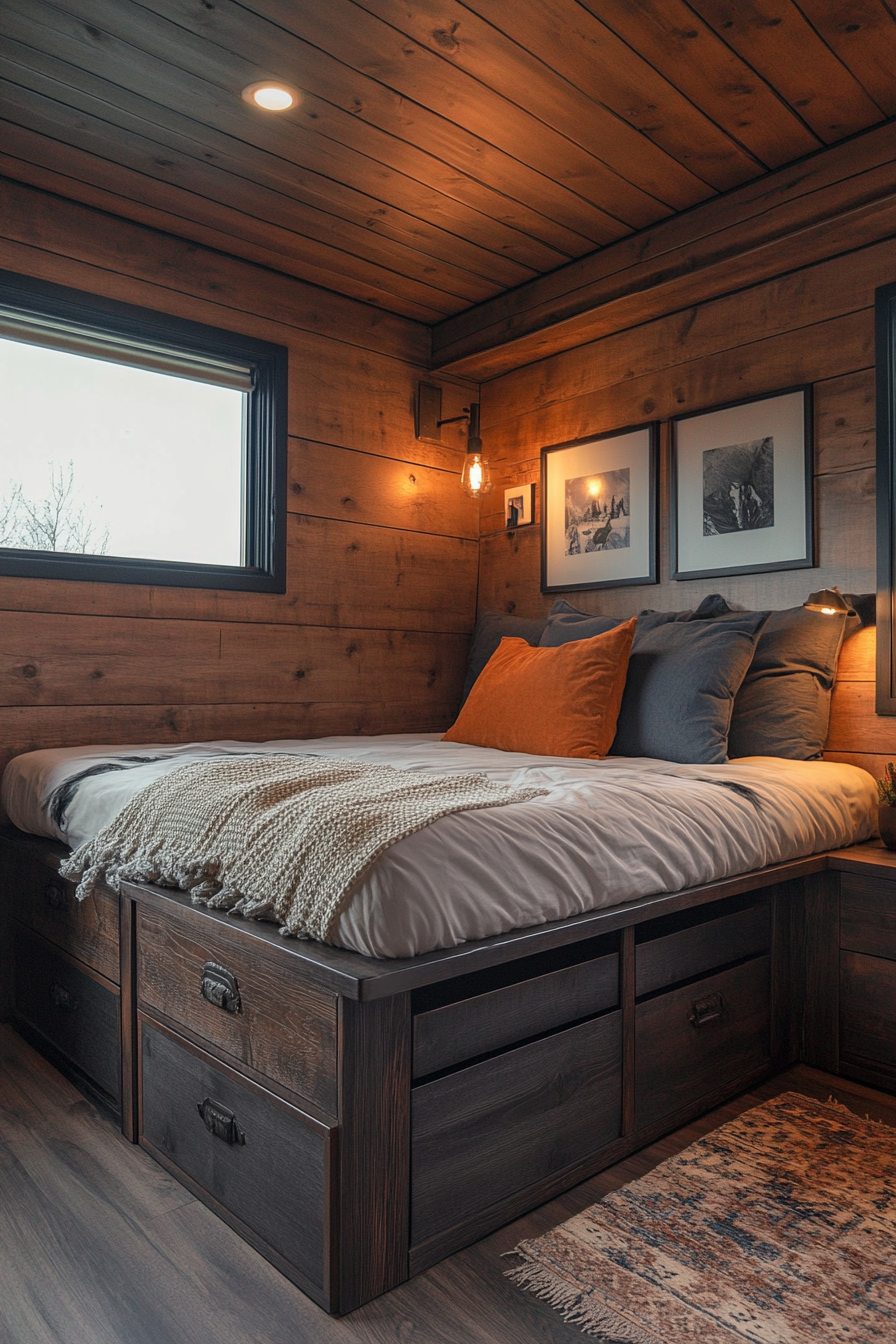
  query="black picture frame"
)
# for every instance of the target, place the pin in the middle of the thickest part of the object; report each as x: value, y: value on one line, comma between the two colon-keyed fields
x: 265, y: 469
x: 796, y: 543
x: 645, y: 513
x: 885, y: 483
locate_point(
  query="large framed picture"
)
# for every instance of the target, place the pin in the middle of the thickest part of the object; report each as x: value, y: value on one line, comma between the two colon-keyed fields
x: 742, y: 487
x: 598, y: 511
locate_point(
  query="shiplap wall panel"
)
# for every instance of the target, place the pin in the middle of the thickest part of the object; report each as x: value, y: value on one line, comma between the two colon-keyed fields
x: 372, y: 632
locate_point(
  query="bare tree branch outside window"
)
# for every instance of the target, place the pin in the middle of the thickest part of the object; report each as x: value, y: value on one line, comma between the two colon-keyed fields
x: 58, y: 522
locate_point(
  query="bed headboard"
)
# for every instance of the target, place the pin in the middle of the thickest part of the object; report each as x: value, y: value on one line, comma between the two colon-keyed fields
x: 856, y: 734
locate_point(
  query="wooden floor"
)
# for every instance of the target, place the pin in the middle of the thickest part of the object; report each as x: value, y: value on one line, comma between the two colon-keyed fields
x: 98, y: 1245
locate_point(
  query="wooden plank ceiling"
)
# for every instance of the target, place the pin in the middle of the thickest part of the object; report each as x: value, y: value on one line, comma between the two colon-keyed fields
x: 442, y: 152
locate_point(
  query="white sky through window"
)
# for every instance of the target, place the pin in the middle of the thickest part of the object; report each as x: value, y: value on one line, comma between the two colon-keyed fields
x: 156, y: 459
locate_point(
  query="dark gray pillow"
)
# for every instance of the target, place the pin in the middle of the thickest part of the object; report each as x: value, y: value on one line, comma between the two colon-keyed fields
x: 491, y: 628
x: 711, y: 606
x: 682, y: 680
x: 784, y: 704
x: 566, y: 623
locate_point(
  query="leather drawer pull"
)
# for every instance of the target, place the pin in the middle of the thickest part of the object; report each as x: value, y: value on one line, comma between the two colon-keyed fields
x: 705, y: 1010
x: 62, y: 999
x: 220, y: 1122
x: 219, y: 986
x: 56, y: 896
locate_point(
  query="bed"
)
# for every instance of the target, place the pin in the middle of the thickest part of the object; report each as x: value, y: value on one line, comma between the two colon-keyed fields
x: 513, y: 999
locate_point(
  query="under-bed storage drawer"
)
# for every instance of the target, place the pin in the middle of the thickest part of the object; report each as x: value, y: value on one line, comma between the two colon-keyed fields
x: 85, y: 929
x: 260, y: 1163
x: 483, y: 1133
x: 226, y: 993
x: 868, y: 915
x: 75, y: 1011
x: 458, y: 1031
x: 868, y: 1013
x: 699, y: 947
x: 700, y: 1039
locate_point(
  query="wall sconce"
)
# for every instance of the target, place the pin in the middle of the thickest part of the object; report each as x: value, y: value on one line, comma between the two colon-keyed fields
x: 475, y: 478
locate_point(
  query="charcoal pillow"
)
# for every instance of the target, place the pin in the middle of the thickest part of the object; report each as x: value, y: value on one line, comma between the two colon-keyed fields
x: 711, y: 606
x: 491, y: 627
x: 682, y: 680
x: 566, y: 623
x: 784, y: 704
x: 683, y: 675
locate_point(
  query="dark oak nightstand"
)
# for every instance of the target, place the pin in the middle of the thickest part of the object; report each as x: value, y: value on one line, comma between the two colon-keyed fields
x: 866, y: 964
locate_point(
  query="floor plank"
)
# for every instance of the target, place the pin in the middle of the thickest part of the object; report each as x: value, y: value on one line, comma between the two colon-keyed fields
x: 98, y: 1245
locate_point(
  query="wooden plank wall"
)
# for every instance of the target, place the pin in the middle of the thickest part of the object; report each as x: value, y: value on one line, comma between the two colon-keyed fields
x: 809, y: 324
x: 372, y: 633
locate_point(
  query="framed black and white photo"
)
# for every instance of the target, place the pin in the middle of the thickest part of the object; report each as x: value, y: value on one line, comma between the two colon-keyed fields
x: 742, y: 487
x: 598, y: 511
x: 519, y: 505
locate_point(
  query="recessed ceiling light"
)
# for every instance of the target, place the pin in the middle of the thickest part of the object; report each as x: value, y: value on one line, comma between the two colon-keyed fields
x: 272, y: 95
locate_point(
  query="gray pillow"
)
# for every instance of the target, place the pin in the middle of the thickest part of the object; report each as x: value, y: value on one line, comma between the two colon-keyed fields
x: 784, y: 705
x: 682, y: 680
x: 566, y: 623
x: 491, y: 628
x: 711, y: 606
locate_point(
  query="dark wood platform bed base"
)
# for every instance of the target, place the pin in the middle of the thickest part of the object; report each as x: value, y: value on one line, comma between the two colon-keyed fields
x: 358, y: 1120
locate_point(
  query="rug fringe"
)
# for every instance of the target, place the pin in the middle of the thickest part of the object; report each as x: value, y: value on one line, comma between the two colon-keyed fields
x: 578, y: 1308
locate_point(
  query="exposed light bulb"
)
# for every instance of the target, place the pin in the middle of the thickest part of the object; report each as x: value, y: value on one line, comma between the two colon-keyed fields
x: 273, y: 97
x: 475, y: 477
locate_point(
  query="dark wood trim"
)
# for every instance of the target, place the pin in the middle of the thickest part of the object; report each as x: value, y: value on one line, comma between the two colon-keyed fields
x: 374, y: 1146
x: 354, y: 976
x: 627, y: 986
x: 127, y: 934
x: 821, y: 1013
x: 885, y: 486
x: 265, y: 465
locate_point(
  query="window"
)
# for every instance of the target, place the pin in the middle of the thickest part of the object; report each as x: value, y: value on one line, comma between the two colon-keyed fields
x: 136, y: 447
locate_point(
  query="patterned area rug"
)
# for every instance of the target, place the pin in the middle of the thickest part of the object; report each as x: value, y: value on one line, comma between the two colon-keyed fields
x: 779, y: 1227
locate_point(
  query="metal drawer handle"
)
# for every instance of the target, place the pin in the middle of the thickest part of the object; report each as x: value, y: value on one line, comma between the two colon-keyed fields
x: 62, y: 999
x: 220, y: 1122
x: 705, y: 1010
x: 56, y: 896
x: 219, y: 986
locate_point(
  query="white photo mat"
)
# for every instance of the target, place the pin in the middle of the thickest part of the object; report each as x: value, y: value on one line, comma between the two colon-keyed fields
x: 519, y: 505
x: 742, y: 488
x: 599, y: 511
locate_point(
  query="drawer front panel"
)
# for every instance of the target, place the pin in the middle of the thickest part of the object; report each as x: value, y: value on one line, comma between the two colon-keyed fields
x: 700, y: 1038
x: 868, y: 1010
x: 868, y: 915
x: 471, y: 1027
x: 86, y: 929
x: 76, y: 1014
x: 235, y: 1000
x: 259, y: 1158
x: 703, y: 947
x: 485, y: 1132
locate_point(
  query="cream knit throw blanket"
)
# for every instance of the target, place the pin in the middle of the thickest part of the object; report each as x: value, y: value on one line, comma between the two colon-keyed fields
x: 282, y: 837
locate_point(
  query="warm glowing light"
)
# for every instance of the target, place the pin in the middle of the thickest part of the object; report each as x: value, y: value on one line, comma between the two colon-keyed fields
x: 594, y: 487
x: 475, y: 477
x: 829, y: 611
x: 273, y: 97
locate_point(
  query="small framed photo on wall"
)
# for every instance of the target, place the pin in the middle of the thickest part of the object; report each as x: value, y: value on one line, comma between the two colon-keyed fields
x: 519, y: 505
x: 598, y: 511
x: 741, y: 485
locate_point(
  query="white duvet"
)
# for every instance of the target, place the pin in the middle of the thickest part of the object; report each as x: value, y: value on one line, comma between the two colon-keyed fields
x: 606, y: 831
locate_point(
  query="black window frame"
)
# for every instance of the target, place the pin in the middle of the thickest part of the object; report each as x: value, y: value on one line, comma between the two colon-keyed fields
x: 265, y: 495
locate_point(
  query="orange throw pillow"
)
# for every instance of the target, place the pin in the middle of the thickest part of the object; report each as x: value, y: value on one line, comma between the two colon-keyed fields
x: 548, y: 702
